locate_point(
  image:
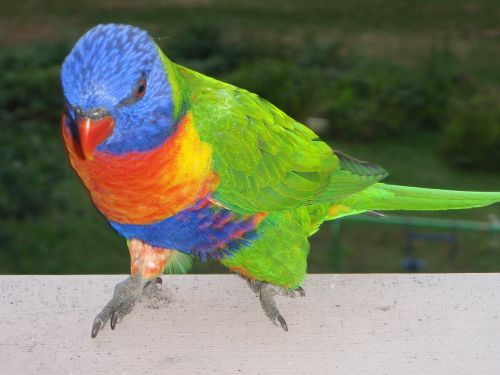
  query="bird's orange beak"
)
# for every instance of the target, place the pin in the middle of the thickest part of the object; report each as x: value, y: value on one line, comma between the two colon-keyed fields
x: 93, y: 132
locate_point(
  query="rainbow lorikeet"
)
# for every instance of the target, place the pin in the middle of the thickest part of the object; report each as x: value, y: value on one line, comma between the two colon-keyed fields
x: 184, y: 165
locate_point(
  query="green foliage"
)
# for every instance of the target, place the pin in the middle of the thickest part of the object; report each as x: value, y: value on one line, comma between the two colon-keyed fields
x: 29, y: 83
x: 203, y: 48
x: 31, y: 159
x: 374, y: 101
x: 31, y: 163
x: 472, y: 136
x: 297, y: 79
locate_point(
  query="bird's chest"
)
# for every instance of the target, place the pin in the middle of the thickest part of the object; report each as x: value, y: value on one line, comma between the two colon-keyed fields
x: 145, y: 187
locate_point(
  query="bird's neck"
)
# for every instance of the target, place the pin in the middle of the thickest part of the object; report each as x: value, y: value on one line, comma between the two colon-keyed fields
x: 144, y: 187
x: 177, y: 84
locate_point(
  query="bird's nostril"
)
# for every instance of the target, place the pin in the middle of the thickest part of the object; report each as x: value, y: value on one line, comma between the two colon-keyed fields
x: 96, y: 113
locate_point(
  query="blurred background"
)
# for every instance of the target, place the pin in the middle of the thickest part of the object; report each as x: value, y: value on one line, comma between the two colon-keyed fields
x: 412, y: 86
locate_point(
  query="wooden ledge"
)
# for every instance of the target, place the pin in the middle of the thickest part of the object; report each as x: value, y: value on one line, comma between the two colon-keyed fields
x: 346, y: 324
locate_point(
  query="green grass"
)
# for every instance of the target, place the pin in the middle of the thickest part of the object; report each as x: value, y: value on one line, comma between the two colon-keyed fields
x: 411, y: 86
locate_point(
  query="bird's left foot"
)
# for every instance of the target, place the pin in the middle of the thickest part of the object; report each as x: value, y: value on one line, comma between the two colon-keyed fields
x: 126, y: 294
x: 266, y: 294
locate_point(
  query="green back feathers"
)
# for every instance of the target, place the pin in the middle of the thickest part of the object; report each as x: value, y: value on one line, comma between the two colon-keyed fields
x: 266, y: 161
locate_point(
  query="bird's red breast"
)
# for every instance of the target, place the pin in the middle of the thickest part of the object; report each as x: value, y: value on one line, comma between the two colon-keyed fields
x: 144, y: 187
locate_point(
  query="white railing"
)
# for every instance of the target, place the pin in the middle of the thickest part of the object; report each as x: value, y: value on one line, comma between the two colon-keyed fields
x: 346, y: 324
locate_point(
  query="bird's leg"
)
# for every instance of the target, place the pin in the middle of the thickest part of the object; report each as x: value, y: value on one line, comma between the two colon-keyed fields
x: 266, y: 293
x: 146, y: 263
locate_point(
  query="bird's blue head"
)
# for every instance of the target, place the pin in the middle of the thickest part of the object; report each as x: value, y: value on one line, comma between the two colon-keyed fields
x: 118, y: 96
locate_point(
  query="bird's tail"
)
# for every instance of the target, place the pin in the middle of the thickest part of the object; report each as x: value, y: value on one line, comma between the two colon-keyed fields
x: 382, y: 197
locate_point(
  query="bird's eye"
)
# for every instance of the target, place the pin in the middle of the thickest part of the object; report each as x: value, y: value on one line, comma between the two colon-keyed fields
x: 140, y: 90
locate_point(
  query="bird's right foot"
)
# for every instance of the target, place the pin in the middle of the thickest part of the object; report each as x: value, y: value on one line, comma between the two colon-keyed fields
x: 126, y: 294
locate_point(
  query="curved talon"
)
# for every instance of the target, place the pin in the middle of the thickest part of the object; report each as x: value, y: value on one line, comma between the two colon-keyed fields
x: 125, y: 295
x: 96, y: 327
x: 282, y: 322
x: 267, y: 292
x: 114, y: 319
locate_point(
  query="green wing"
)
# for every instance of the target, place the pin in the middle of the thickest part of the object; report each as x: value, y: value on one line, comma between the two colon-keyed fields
x: 266, y: 160
x: 354, y: 175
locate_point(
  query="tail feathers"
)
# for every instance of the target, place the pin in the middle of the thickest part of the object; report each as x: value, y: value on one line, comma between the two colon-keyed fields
x: 381, y: 196
x: 393, y: 197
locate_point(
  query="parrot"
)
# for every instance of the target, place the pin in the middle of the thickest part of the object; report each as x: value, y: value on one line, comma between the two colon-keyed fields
x: 186, y: 166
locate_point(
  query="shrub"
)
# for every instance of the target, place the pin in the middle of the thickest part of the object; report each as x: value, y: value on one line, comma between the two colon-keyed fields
x: 471, y: 138
x: 202, y: 47
x: 297, y: 80
x: 374, y: 101
x: 31, y: 155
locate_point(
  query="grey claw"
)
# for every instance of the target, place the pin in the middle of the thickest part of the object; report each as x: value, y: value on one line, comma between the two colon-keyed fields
x: 282, y: 322
x: 96, y: 327
x: 301, y: 291
x: 114, y: 319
